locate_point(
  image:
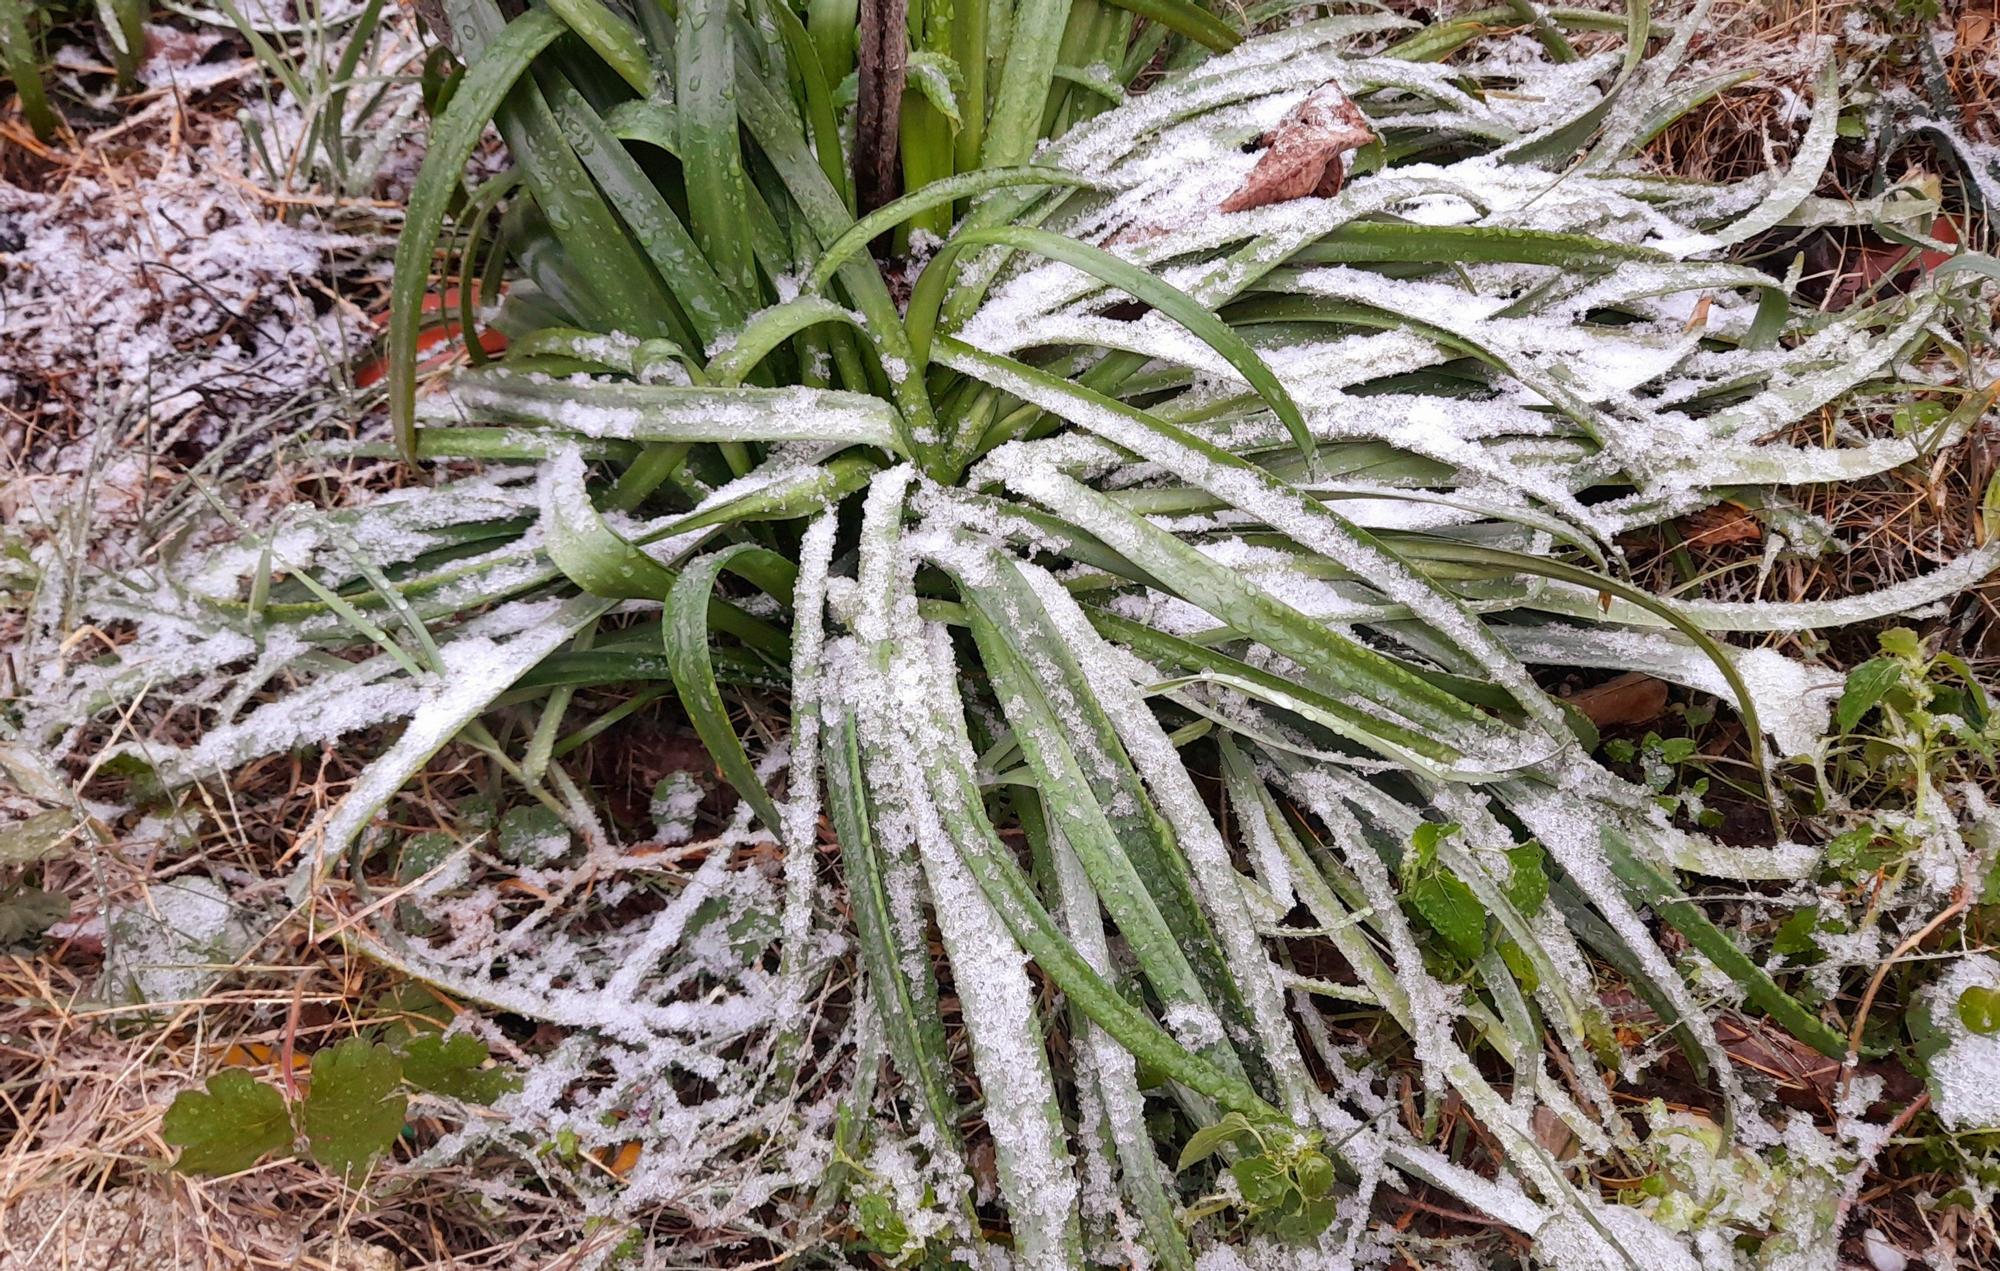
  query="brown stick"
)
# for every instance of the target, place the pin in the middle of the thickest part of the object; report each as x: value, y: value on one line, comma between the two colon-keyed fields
x: 1957, y: 906
x: 884, y: 66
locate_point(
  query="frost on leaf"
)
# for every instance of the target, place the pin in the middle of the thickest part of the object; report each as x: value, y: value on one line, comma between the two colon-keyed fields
x: 1306, y: 153
x: 229, y: 1127
x: 354, y: 1110
x: 1959, y: 1059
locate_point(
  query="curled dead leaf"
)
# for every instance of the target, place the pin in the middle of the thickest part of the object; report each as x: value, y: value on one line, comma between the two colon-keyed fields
x: 1556, y: 1138
x: 621, y: 1160
x: 1305, y: 153
x: 1631, y: 699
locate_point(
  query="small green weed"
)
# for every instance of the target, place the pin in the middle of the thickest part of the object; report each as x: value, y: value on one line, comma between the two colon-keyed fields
x: 1284, y: 1183
x: 353, y: 1109
x: 1925, y: 716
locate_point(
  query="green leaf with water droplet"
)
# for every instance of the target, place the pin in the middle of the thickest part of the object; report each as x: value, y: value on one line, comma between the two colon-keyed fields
x: 227, y: 1128
x: 1449, y: 908
x: 355, y: 1109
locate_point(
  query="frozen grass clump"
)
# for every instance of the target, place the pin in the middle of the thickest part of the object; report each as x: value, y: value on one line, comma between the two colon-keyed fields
x: 1164, y: 601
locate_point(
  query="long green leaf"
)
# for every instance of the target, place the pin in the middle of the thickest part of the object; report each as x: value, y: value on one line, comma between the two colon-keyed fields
x: 718, y: 194
x: 932, y: 285
x: 686, y: 636
x: 1649, y: 887
x: 452, y: 138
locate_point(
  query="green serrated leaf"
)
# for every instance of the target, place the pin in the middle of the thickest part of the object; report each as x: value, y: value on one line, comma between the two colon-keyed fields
x: 1795, y: 934
x: 1853, y: 849
x: 1677, y: 750
x: 229, y: 1127
x: 1262, y: 1181
x: 1314, y: 1174
x: 1307, y: 1221
x: 1867, y: 684
x: 1901, y: 642
x: 354, y: 1110
x: 1424, y: 841
x: 1449, y: 908
x: 876, y: 1215
x: 454, y: 1067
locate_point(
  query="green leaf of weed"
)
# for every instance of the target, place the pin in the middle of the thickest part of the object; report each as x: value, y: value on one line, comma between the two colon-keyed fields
x: 354, y: 1110
x: 229, y: 1127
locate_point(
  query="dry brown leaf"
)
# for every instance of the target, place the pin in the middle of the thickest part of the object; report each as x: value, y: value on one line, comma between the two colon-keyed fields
x: 170, y: 49
x: 1303, y: 154
x: 1555, y: 1136
x: 1801, y: 1073
x: 1714, y: 526
x: 1630, y: 699
x: 1976, y: 29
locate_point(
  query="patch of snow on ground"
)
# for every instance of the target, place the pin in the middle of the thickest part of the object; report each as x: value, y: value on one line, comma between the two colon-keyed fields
x: 181, y: 290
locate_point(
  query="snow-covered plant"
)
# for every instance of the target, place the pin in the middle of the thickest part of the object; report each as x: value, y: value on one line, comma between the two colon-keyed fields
x: 1159, y: 589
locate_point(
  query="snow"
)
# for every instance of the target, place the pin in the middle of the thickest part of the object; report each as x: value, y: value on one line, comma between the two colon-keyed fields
x: 1965, y: 1094
x: 179, y: 295
x: 169, y: 948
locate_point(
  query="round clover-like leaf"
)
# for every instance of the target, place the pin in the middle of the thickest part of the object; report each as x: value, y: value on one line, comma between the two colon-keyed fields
x: 452, y: 1066
x: 355, y: 1109
x: 1979, y: 1010
x: 229, y: 1127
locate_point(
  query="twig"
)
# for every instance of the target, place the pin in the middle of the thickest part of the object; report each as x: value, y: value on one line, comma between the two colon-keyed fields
x: 1957, y: 906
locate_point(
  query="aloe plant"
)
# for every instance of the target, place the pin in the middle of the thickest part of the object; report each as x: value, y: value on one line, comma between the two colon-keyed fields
x: 1106, y: 495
